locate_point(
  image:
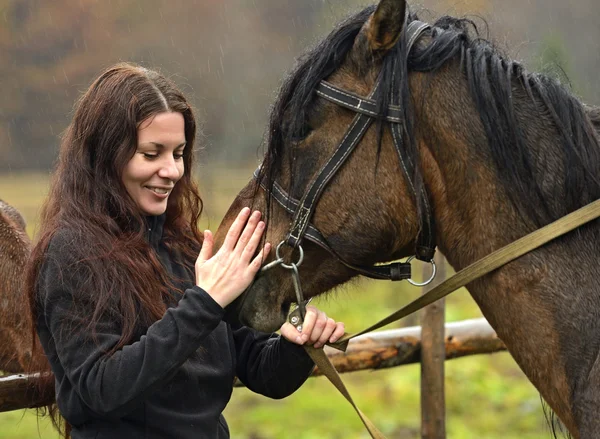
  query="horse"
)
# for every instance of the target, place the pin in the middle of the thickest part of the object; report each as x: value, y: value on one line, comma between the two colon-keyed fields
x: 467, y: 149
x: 15, y: 326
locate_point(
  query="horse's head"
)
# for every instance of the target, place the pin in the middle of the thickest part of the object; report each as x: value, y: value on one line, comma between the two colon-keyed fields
x: 367, y: 212
x: 460, y: 133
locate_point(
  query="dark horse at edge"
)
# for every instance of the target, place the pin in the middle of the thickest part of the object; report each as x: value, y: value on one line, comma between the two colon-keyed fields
x: 15, y: 326
x: 499, y: 151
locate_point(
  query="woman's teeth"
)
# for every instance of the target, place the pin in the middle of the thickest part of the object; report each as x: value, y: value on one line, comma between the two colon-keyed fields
x: 159, y: 190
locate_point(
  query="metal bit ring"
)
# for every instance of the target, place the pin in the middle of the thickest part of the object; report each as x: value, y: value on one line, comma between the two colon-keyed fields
x: 289, y: 266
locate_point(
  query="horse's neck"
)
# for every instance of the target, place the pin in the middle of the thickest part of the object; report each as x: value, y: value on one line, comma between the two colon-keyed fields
x: 537, y: 304
x: 472, y: 223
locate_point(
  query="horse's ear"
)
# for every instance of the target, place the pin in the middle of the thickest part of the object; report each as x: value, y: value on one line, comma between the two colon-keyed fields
x: 383, y: 28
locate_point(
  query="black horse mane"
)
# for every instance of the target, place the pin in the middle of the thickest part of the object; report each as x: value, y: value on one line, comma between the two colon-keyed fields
x: 297, y: 93
x: 491, y: 79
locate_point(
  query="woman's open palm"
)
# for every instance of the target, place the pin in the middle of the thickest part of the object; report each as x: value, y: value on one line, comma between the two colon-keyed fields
x: 230, y: 271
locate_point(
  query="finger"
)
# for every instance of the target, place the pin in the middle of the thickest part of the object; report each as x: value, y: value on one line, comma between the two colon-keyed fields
x: 330, y: 326
x: 320, y: 324
x: 290, y: 333
x: 258, y: 260
x: 340, y: 330
x: 236, y: 228
x: 309, y: 322
x: 207, y: 247
x: 253, y: 242
x: 247, y: 233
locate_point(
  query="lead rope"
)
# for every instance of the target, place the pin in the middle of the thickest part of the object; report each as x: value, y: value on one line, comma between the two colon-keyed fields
x: 325, y: 366
x: 296, y: 318
x: 474, y: 271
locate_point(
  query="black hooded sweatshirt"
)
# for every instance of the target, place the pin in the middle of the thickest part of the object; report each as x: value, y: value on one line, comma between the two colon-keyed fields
x: 174, y: 379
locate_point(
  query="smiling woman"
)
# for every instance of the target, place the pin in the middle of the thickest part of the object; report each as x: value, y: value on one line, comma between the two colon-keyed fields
x: 129, y: 310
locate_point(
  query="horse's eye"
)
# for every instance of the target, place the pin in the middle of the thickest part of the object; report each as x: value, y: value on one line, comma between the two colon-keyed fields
x: 300, y: 136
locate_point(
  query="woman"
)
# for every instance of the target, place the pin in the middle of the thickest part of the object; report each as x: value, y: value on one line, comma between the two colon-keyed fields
x: 127, y: 311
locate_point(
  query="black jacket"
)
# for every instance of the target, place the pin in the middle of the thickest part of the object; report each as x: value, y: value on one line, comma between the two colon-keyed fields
x: 175, y: 379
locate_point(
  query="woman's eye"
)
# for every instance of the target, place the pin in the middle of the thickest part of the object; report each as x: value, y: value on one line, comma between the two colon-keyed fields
x: 178, y: 156
x: 149, y: 155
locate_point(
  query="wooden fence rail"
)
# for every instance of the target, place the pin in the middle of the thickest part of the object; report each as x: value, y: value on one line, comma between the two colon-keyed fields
x: 378, y: 350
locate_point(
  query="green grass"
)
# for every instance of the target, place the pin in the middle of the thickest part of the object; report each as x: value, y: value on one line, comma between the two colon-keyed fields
x: 486, y: 396
x: 24, y: 424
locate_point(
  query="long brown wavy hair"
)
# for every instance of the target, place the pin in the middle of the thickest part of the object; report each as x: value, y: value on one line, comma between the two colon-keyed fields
x: 87, y: 198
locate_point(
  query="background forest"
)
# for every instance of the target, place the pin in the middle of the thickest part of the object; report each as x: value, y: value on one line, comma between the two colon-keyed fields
x: 230, y: 56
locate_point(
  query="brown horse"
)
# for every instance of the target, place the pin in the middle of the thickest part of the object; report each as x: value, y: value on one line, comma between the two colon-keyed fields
x: 498, y: 152
x: 15, y: 327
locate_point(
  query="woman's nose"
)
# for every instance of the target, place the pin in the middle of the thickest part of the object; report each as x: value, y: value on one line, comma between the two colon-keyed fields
x: 169, y: 169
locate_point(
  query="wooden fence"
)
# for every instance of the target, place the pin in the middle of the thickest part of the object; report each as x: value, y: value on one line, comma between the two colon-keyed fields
x: 378, y: 350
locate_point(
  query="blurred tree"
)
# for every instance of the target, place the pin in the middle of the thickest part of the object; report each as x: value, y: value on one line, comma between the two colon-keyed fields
x: 228, y: 55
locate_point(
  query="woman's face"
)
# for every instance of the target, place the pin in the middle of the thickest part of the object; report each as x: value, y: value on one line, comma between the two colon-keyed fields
x: 157, y: 164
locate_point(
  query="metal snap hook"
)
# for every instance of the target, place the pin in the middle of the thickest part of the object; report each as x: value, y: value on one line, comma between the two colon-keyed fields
x: 296, y: 317
x: 428, y: 281
x: 271, y: 264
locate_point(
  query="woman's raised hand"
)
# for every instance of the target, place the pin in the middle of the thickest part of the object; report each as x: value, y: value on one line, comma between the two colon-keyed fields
x: 230, y: 271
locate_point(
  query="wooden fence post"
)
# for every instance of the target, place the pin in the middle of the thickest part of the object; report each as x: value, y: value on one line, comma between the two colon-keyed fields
x: 433, y: 355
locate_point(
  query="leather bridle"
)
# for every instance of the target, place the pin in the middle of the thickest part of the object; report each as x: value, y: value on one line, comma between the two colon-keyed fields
x: 302, y: 210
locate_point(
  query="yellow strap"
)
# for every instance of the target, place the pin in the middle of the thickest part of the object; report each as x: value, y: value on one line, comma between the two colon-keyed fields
x: 488, y: 264
x: 325, y: 366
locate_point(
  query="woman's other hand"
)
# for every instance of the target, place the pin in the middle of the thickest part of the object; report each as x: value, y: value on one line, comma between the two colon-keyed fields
x: 317, y: 329
x: 230, y: 271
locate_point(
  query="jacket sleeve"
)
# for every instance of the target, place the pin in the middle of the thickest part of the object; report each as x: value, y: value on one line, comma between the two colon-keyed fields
x: 111, y: 385
x: 269, y: 364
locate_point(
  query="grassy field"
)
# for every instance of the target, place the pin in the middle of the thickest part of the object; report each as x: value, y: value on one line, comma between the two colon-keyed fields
x: 487, y: 396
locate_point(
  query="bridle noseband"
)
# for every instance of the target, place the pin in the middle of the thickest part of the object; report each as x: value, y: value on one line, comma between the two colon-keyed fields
x: 303, y: 209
